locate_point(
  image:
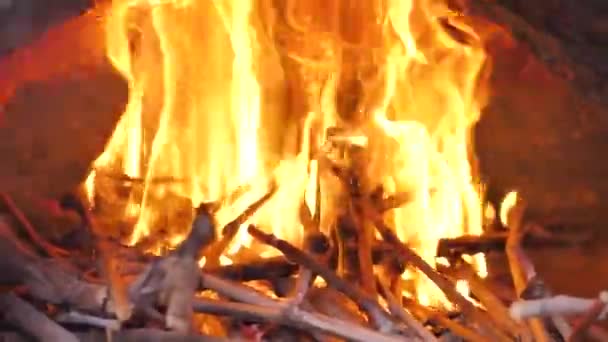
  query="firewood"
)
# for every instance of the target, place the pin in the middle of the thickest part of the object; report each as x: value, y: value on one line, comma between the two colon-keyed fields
x: 235, y: 290
x: 47, y: 279
x: 155, y: 335
x: 397, y: 309
x: 409, y: 256
x: 318, y: 246
x: 293, y: 316
x: 75, y: 317
x: 377, y: 315
x: 493, y: 305
x: 231, y: 229
x: 495, y: 242
x: 269, y: 268
x: 33, y: 322
x: 597, y: 310
x: 173, y: 279
x: 521, y: 267
x: 557, y: 305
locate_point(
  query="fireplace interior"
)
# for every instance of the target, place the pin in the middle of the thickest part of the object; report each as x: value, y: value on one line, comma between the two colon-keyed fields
x: 278, y: 170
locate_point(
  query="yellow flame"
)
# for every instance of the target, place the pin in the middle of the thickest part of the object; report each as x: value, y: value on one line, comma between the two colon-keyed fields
x: 208, y: 82
x: 424, y: 119
x: 507, y: 204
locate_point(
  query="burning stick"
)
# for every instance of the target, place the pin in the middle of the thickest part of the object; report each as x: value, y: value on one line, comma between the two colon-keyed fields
x: 33, y: 322
x: 409, y: 256
x: 229, y: 231
x: 295, y: 317
x: 397, y: 309
x: 315, y: 243
x: 471, y: 245
x: 444, y: 321
x: 257, y: 306
x: 236, y: 291
x: 493, y: 305
x: 269, y: 268
x: 173, y: 280
x: 380, y: 318
x: 522, y: 269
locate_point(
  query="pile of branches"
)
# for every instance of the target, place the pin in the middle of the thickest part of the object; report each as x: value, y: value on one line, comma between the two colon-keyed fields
x: 50, y: 292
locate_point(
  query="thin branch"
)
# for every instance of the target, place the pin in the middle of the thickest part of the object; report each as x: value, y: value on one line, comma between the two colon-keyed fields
x: 449, y: 289
x: 557, y: 305
x: 493, y: 305
x: 397, y: 309
x: 599, y: 309
x: 295, y: 317
x: 231, y: 229
x: 521, y: 267
x: 33, y: 322
x: 75, y: 317
x: 376, y: 313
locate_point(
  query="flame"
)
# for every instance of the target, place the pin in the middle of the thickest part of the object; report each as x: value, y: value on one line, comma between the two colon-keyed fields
x: 208, y: 82
x: 506, y: 205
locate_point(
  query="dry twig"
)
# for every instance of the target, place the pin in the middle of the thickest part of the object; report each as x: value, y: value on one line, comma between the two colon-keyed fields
x: 521, y: 267
x: 34, y: 323
x: 380, y: 318
x: 293, y: 316
x: 174, y: 279
x: 409, y: 256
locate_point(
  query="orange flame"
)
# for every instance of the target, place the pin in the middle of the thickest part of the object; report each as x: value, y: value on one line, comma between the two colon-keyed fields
x: 206, y: 107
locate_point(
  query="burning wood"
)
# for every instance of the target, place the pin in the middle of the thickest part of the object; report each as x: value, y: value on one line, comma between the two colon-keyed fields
x: 349, y: 228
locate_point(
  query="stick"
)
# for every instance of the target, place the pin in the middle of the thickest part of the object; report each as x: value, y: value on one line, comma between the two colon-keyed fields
x: 493, y: 305
x: 269, y: 268
x: 75, y: 317
x: 410, y: 256
x: 46, y: 246
x: 441, y: 319
x: 494, y: 242
x: 236, y: 291
x: 108, y: 263
x: 376, y: 313
x: 295, y: 317
x: 397, y: 309
x: 45, y: 279
x: 229, y: 231
x: 156, y: 335
x: 599, y: 308
x: 173, y: 280
x: 33, y: 322
x: 522, y: 269
x: 557, y: 305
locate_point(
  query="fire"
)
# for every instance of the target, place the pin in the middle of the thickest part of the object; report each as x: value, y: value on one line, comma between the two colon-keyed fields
x: 207, y: 110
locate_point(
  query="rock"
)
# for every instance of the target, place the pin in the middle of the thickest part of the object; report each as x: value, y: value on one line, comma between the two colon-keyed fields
x: 60, y: 100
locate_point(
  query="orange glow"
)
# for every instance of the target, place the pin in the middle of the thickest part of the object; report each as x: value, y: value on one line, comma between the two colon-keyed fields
x: 208, y: 82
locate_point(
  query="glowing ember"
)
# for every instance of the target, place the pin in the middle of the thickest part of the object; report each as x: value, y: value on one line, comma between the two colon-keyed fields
x: 208, y: 82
